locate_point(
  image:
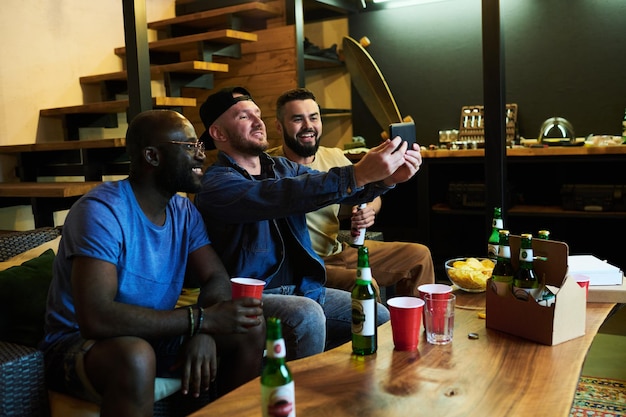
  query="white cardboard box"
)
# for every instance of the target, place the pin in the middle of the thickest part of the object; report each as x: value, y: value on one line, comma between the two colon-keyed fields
x: 599, y: 271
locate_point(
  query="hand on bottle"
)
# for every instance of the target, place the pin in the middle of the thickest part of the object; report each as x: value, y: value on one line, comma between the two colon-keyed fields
x: 362, y: 218
x: 234, y: 316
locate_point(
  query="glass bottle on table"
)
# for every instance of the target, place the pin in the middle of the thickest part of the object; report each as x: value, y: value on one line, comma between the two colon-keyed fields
x: 277, y: 386
x: 525, y: 281
x: 502, y: 275
x: 497, y: 224
x: 544, y: 234
x: 364, y: 330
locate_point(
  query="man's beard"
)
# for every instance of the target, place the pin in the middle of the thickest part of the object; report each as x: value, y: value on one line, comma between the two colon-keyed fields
x: 178, y: 178
x: 247, y: 147
x: 301, y: 150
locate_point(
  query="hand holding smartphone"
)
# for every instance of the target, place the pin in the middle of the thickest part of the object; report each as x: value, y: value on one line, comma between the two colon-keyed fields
x: 406, y: 130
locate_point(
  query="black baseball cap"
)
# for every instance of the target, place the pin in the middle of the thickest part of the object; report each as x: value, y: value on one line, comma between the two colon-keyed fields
x: 215, y: 105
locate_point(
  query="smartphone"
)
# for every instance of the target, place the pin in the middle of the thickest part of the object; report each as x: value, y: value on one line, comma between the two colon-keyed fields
x: 406, y: 130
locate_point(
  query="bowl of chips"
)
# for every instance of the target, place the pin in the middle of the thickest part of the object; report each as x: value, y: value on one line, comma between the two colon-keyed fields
x: 469, y: 274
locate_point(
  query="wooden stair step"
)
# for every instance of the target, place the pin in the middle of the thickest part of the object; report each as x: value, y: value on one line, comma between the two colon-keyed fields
x: 182, y: 43
x: 211, y: 18
x: 116, y: 106
x: 46, y: 189
x: 187, y: 67
x: 64, y: 145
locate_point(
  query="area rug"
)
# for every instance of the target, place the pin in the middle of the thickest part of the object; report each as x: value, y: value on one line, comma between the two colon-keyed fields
x: 599, y: 397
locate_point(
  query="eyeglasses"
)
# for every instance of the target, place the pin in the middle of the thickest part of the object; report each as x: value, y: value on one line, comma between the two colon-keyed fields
x: 191, y: 147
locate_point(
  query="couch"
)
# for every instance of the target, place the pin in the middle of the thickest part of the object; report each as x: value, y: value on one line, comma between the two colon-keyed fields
x: 25, y: 273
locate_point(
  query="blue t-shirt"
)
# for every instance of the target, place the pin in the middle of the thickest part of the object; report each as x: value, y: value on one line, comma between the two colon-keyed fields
x: 108, y: 224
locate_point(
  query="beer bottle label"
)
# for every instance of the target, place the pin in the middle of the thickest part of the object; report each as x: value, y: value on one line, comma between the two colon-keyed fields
x: 492, y: 250
x: 364, y: 317
x: 276, y: 348
x: 278, y: 401
x: 526, y: 255
x: 501, y: 285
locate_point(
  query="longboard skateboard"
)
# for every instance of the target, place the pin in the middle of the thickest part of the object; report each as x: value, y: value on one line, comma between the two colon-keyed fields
x: 371, y: 85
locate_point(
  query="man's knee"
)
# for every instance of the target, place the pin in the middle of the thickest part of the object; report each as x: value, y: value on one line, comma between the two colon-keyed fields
x: 305, y: 314
x: 132, y: 357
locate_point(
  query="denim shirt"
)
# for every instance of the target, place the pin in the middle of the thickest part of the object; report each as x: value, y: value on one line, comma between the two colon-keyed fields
x: 240, y: 214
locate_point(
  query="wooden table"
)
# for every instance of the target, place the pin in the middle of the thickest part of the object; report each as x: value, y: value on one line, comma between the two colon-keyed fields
x: 495, y: 375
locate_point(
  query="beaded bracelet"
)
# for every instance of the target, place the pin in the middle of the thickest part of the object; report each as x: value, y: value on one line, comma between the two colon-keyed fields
x: 191, y: 321
x: 200, y: 319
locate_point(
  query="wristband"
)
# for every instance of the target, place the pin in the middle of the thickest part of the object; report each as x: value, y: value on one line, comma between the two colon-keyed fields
x: 200, y: 319
x: 191, y: 321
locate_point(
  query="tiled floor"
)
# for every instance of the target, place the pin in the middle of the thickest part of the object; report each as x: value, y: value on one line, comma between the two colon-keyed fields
x: 607, y: 355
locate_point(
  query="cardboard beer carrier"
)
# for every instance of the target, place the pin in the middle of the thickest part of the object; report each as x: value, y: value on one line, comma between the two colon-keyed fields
x: 563, y: 320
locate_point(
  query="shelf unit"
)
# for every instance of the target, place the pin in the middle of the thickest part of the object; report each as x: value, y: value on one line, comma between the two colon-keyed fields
x: 534, y: 179
x: 323, y: 23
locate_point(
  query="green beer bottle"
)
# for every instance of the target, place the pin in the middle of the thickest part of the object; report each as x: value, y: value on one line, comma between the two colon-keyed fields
x: 277, y: 386
x: 364, y: 331
x: 525, y: 281
x: 544, y: 234
x: 502, y: 275
x: 497, y: 224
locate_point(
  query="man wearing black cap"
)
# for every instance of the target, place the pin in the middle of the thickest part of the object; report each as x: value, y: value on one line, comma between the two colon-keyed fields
x: 254, y: 209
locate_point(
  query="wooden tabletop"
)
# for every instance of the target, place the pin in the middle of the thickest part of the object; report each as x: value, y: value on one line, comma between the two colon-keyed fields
x: 494, y: 375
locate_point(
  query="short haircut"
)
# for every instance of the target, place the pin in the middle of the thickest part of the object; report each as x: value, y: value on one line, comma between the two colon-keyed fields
x: 292, y: 95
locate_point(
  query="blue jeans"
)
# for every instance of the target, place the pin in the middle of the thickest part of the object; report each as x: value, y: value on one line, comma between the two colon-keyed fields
x: 308, y: 327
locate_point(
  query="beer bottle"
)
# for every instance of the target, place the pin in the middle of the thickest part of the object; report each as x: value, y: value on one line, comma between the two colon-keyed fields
x: 525, y: 281
x: 358, y: 240
x: 364, y: 331
x: 502, y: 275
x: 496, y: 225
x: 277, y: 386
x: 544, y: 234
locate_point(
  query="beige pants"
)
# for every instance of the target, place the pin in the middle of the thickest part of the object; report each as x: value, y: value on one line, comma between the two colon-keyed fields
x: 405, y: 265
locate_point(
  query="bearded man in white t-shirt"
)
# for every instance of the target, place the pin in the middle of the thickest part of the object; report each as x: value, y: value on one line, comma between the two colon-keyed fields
x: 403, y: 265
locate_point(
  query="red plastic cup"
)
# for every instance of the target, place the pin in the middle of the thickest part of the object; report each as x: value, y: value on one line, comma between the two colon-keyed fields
x: 406, y: 319
x: 436, y: 290
x: 583, y: 281
x: 247, y: 287
x: 439, y: 291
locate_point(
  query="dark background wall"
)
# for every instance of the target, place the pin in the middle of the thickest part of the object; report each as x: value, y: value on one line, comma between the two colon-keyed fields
x: 562, y: 58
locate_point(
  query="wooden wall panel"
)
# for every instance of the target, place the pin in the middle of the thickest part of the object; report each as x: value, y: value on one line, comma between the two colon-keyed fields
x: 267, y: 68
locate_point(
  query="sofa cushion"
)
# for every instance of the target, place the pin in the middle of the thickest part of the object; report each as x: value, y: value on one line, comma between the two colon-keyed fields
x: 30, y: 254
x: 23, y: 293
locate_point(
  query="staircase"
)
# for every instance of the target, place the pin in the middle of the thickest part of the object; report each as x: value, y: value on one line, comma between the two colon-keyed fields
x: 195, y: 52
x: 183, y: 56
